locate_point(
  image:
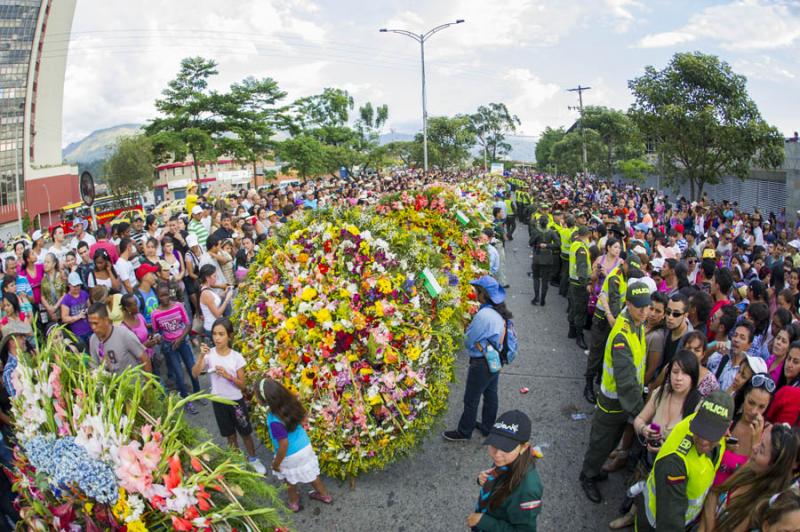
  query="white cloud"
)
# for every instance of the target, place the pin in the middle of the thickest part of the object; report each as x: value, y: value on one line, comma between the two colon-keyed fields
x: 622, y: 11
x: 764, y: 68
x: 738, y: 25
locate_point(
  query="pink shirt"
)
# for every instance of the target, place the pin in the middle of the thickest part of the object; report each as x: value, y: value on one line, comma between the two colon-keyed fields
x: 170, y: 322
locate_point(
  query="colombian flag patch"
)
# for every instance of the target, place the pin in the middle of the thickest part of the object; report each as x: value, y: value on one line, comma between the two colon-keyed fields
x: 678, y: 479
x: 530, y: 505
x: 618, y: 346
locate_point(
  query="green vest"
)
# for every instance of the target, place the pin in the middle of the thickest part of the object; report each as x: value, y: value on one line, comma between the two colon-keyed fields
x: 636, y: 342
x: 566, y: 239
x: 700, y: 471
x: 573, y: 254
x: 509, y: 208
x: 623, y: 288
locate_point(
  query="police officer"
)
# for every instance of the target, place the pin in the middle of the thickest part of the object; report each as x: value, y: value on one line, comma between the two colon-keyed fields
x: 556, y: 224
x: 580, y: 269
x: 621, y: 387
x: 545, y: 243
x: 685, y: 467
x: 609, y: 304
x: 511, y: 219
x: 565, y: 234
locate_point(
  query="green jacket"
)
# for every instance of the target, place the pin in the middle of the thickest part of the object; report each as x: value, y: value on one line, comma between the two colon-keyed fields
x: 519, y: 511
x: 629, y: 389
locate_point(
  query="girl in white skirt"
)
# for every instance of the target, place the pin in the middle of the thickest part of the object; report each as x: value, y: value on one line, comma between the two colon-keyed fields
x: 295, y: 461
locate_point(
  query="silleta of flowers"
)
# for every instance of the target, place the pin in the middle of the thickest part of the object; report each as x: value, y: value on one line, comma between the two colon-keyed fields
x: 97, y: 451
x: 337, y: 310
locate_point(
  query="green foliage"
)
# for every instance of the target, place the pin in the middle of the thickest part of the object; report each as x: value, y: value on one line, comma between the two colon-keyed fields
x: 702, y: 120
x: 449, y: 140
x: 129, y: 168
x: 407, y: 152
x: 304, y: 154
x: 544, y: 146
x: 619, y: 135
x: 567, y: 153
x: 187, y: 125
x: 490, y: 124
x: 635, y: 169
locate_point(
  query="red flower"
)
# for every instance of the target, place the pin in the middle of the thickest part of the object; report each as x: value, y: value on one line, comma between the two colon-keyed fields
x: 182, y: 524
x: 311, y: 324
x: 471, y: 296
x: 191, y: 513
x: 196, y: 465
x: 323, y: 268
x: 173, y: 479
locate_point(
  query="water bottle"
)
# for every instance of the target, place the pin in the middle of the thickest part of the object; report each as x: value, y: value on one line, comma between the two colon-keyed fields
x: 636, y: 489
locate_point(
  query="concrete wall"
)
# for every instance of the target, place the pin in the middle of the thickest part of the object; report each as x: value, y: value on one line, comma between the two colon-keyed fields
x: 791, y: 166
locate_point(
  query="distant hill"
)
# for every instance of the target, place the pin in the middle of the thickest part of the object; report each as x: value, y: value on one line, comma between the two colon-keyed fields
x: 97, y: 146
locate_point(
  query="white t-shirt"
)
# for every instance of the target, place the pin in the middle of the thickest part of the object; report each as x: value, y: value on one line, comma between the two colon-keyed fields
x: 232, y: 362
x: 125, y: 272
x: 89, y: 239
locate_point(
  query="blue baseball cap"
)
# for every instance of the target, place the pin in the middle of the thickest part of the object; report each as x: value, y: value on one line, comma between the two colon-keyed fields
x: 496, y: 292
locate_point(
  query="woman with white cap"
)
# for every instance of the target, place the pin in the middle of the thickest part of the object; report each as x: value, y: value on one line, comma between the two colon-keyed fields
x: 484, y: 335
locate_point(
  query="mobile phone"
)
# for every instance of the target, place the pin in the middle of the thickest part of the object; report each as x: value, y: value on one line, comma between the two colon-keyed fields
x: 732, y: 440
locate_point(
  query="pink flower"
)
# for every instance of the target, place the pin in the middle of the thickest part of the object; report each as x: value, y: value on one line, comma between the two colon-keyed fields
x: 151, y: 455
x: 54, y: 382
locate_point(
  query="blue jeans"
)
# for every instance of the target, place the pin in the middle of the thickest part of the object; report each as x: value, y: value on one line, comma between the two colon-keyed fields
x: 173, y: 358
x: 480, y: 382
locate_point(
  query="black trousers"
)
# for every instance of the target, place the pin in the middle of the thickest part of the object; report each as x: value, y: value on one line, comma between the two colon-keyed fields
x: 511, y: 225
x: 541, y: 279
x: 597, y: 349
x: 578, y: 305
x: 563, y: 287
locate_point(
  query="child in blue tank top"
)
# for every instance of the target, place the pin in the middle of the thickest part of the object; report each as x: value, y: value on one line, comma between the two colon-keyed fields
x: 295, y: 460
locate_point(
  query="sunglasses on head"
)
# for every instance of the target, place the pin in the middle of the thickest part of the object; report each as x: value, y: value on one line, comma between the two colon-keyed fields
x: 674, y: 313
x: 762, y: 380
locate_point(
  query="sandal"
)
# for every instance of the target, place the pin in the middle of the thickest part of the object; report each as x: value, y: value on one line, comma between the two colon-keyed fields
x: 296, y: 507
x: 327, y: 499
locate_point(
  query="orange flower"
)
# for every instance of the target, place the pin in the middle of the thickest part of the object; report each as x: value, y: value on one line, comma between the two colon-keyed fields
x: 173, y: 478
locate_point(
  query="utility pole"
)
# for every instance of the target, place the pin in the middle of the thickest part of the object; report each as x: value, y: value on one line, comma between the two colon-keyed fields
x: 17, y: 179
x: 421, y: 38
x: 580, y: 90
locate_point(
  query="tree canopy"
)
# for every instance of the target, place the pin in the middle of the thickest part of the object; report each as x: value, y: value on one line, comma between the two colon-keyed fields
x: 702, y: 121
x: 129, y: 168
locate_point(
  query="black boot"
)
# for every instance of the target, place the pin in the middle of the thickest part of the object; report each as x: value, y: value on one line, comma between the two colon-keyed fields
x: 572, y: 334
x: 588, y: 391
x: 541, y: 302
x: 581, y: 341
x: 535, y: 300
x: 590, y: 488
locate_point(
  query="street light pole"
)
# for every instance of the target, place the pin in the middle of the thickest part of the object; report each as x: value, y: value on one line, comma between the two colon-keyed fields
x: 49, y: 211
x: 421, y: 38
x: 16, y: 179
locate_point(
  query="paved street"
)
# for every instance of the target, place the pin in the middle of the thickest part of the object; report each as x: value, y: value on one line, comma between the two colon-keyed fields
x: 435, y: 489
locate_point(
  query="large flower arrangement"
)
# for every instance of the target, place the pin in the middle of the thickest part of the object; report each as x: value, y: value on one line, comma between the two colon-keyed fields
x: 97, y: 451
x: 335, y: 309
x: 450, y: 222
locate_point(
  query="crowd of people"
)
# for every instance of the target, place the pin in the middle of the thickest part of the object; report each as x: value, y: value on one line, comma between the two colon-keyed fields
x: 688, y: 313
x: 692, y: 313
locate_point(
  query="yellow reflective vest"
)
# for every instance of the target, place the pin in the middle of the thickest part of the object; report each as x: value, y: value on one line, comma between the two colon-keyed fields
x: 573, y: 263
x: 617, y: 273
x: 700, y: 471
x: 565, y: 233
x: 638, y: 348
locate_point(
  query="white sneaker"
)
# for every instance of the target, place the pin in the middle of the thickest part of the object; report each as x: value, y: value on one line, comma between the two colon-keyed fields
x: 256, y: 464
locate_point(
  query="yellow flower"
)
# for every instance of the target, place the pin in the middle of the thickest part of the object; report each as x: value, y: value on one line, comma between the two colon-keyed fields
x: 378, y: 309
x: 88, y: 507
x: 121, y: 510
x: 366, y: 371
x: 404, y: 408
x: 323, y: 315
x: 136, y: 526
x: 385, y: 285
x: 302, y: 258
x: 413, y: 352
x: 375, y: 399
x: 291, y: 324
x: 308, y: 376
x: 384, y: 441
x: 308, y: 294
x: 364, y: 247
x: 344, y: 293
x: 353, y: 230
x: 359, y: 321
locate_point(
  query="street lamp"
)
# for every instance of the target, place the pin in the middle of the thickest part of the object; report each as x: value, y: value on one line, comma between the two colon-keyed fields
x: 421, y: 38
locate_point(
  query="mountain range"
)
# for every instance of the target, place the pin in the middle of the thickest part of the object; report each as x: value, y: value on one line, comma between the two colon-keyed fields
x: 98, y: 145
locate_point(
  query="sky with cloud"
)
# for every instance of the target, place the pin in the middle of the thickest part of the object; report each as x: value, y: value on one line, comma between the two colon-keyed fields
x: 525, y: 53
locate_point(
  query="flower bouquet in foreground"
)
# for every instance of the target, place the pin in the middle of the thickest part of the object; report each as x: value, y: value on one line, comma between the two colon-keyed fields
x: 97, y: 451
x: 339, y: 309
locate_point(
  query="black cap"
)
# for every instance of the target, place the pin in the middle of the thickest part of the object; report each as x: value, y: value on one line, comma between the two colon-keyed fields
x: 713, y: 416
x: 510, y: 429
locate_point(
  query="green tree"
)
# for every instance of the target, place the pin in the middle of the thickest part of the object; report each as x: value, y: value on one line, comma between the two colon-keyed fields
x: 491, y: 123
x: 620, y: 136
x: 305, y: 154
x: 634, y: 169
x: 251, y: 117
x: 408, y: 152
x: 188, y: 124
x: 449, y: 140
x: 544, y: 146
x: 130, y: 168
x: 567, y: 153
x: 703, y: 122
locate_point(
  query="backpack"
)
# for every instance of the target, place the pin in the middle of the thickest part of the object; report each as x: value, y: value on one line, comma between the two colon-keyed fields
x: 510, y: 344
